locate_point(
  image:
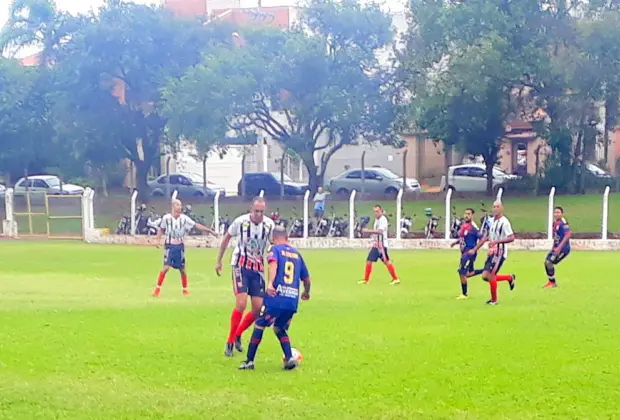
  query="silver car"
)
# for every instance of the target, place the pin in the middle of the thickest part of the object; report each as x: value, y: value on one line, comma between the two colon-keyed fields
x: 186, y: 185
x: 376, y: 181
x: 45, y: 184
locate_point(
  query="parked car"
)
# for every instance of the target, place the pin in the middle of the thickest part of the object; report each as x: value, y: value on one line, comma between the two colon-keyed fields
x: 45, y: 184
x: 186, y: 185
x: 597, y: 172
x: 473, y: 178
x: 376, y: 180
x: 269, y: 182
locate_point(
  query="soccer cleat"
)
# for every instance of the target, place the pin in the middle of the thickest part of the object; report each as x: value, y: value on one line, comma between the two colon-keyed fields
x: 247, y: 365
x: 238, y: 344
x: 290, y: 364
x: 491, y: 302
x: 363, y: 282
x: 228, y: 351
x: 156, y: 292
x: 511, y: 283
x: 186, y: 292
x: 394, y: 282
x: 462, y: 297
x: 550, y: 285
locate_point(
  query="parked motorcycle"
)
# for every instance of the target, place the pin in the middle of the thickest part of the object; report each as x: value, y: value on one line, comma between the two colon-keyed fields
x: 147, y: 224
x: 485, y: 221
x: 222, y: 225
x: 124, y: 225
x: 296, y: 229
x: 360, y: 225
x: 323, y: 225
x: 198, y: 219
x: 455, y: 226
x: 406, y: 224
x: 432, y: 223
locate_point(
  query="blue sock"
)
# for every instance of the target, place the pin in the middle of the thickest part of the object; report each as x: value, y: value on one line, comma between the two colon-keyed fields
x: 285, y: 343
x: 257, y: 336
x: 464, y: 289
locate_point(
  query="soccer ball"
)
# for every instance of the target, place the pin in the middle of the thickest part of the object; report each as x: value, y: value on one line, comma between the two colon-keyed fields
x: 296, y: 355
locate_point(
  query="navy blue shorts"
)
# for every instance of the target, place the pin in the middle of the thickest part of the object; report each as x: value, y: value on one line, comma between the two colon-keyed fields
x: 467, y: 263
x: 174, y: 256
x: 280, y: 318
x: 248, y: 281
x: 556, y: 259
x: 376, y: 254
x: 494, y: 263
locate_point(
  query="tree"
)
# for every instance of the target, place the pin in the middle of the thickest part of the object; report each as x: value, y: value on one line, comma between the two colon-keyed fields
x: 313, y: 89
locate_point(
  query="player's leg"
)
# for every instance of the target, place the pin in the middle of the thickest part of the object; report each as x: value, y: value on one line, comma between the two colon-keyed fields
x: 280, y: 328
x: 550, y: 262
x: 162, y: 274
x: 257, y: 336
x: 463, y: 270
x: 240, y: 289
x: 373, y: 256
x: 181, y: 267
x: 256, y: 289
x: 385, y: 257
x: 491, y: 266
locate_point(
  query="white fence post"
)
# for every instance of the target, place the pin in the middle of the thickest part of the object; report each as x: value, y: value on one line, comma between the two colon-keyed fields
x: 216, y: 212
x: 175, y: 193
x: 91, y: 208
x: 132, y: 216
x: 261, y: 193
x: 85, y: 212
x: 306, y: 198
x: 352, y: 214
x: 550, y: 214
x: 9, y: 226
x: 605, y: 213
x: 448, y: 213
x: 300, y: 175
x: 500, y: 192
x: 399, y: 212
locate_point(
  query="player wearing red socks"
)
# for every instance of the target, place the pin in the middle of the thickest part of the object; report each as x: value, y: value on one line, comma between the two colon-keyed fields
x: 253, y: 232
x: 175, y: 225
x: 500, y: 234
x: 379, y: 250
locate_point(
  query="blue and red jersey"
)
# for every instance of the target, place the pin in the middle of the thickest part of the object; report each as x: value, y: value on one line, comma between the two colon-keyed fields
x: 291, y: 270
x: 468, y: 236
x: 560, y: 230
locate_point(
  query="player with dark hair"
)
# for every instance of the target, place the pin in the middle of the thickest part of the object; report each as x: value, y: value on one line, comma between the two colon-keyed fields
x: 253, y: 232
x: 287, y: 270
x: 561, y: 245
x: 468, y: 239
x: 500, y: 235
x: 175, y: 226
x: 379, y: 250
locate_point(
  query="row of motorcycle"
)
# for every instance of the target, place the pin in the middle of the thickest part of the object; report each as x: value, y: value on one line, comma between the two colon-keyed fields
x: 334, y: 226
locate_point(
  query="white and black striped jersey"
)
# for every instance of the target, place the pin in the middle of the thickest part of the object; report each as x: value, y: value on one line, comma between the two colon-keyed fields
x: 380, y: 240
x: 500, y: 229
x: 175, y: 228
x: 253, y: 239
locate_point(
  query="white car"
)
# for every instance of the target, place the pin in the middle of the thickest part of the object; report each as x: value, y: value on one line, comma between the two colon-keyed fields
x: 46, y: 184
x: 472, y: 178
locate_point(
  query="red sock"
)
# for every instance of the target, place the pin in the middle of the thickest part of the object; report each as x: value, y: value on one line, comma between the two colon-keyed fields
x: 368, y: 271
x: 503, y: 277
x: 184, y: 280
x: 235, y: 319
x: 160, y: 279
x: 246, y: 323
x: 392, y: 270
x: 493, y: 286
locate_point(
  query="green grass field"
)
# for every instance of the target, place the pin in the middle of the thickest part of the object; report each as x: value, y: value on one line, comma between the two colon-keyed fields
x: 81, y: 338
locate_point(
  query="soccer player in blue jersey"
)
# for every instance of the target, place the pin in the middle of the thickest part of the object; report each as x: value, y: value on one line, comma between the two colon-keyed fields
x: 468, y: 239
x: 287, y: 270
x: 561, y: 246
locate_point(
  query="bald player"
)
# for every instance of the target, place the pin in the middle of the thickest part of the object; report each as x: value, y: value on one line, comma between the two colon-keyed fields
x: 175, y: 226
x: 500, y: 235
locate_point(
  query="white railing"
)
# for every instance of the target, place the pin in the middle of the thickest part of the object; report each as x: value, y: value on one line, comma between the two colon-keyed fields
x: 9, y: 225
x: 261, y: 193
x: 85, y: 211
x: 551, y: 206
x: 216, y: 212
x: 132, y: 210
x: 448, y: 213
x: 306, y: 215
x: 605, y: 213
x: 399, y: 212
x: 500, y: 192
x: 352, y: 214
x: 174, y: 196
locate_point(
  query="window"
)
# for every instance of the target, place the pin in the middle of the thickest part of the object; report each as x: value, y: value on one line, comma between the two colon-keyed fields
x: 162, y: 180
x: 370, y: 175
x: 461, y: 172
x: 386, y: 173
x: 184, y: 181
x: 52, y: 182
x: 39, y: 183
x: 477, y: 172
x: 354, y: 175
x: 175, y: 180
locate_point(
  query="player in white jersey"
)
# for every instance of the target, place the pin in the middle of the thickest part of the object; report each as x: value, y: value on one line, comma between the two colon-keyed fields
x: 254, y: 233
x: 175, y: 226
x: 379, y: 250
x: 500, y: 235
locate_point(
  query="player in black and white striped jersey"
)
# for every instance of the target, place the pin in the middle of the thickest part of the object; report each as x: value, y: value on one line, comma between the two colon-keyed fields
x: 175, y: 226
x: 500, y: 235
x: 254, y: 234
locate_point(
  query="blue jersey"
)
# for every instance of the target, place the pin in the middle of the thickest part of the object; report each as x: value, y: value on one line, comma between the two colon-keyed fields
x: 291, y: 270
x: 560, y: 230
x: 468, y: 236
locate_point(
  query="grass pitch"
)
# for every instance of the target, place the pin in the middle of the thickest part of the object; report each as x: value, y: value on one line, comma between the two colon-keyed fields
x: 81, y: 338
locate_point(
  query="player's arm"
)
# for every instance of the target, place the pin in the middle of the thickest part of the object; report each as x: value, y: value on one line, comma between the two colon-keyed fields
x: 160, y: 231
x: 233, y: 230
x: 205, y: 229
x: 481, y: 242
x: 272, y: 266
x: 455, y: 243
x: 305, y: 278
